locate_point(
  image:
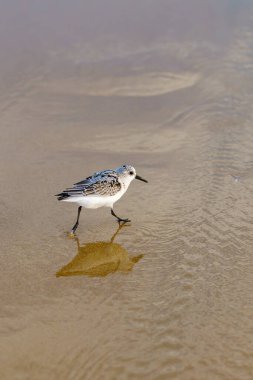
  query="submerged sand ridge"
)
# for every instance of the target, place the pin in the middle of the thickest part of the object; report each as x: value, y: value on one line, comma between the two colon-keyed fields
x: 141, y: 84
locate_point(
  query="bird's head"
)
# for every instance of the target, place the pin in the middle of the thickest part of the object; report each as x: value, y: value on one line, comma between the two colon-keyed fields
x: 127, y: 173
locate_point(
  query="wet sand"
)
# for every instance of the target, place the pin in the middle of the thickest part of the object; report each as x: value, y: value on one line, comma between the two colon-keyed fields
x: 166, y: 87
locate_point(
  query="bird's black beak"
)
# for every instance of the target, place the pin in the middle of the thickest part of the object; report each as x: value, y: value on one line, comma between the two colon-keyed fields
x: 140, y: 178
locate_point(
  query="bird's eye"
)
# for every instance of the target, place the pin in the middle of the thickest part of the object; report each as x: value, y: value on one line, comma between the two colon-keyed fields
x: 131, y: 173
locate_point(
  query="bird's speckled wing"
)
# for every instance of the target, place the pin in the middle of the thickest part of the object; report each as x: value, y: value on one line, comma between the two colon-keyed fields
x: 103, y: 183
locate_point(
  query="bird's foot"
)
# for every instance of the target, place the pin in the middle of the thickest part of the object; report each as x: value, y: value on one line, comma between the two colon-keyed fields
x: 124, y: 220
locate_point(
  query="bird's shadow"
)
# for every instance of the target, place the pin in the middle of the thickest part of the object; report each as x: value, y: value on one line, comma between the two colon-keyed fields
x: 99, y: 259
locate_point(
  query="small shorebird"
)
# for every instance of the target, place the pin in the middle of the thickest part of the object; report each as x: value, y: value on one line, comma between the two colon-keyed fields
x: 102, y: 189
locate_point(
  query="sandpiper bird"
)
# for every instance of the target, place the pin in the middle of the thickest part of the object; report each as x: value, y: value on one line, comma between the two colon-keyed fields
x: 102, y: 189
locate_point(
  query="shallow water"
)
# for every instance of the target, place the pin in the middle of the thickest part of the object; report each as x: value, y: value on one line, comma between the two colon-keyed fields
x: 167, y: 87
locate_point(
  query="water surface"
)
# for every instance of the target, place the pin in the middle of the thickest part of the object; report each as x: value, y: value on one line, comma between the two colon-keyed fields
x: 167, y: 87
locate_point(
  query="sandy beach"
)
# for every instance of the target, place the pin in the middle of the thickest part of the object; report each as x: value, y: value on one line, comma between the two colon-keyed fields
x: 165, y: 86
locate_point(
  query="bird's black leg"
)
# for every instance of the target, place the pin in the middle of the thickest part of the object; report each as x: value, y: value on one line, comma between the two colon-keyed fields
x: 119, y: 219
x: 77, y: 220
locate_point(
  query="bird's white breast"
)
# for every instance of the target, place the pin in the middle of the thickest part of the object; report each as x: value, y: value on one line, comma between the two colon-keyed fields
x: 95, y: 201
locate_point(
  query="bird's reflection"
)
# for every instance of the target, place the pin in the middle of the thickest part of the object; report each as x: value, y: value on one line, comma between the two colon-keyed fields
x: 99, y: 259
